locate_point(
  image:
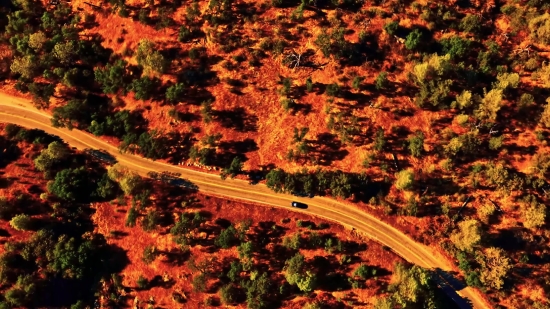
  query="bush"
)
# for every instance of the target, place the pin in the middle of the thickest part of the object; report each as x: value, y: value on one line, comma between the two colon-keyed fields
x: 363, y: 271
x: 456, y: 46
x: 381, y: 80
x: 199, y: 283
x: 21, y: 222
x: 413, y: 39
x: 149, y: 254
x: 540, y: 28
x: 151, y: 220
x: 391, y: 27
x: 405, y: 180
x: 332, y: 90
x: 142, y: 282
x: 228, y: 294
x: 416, y: 144
x: 309, y: 84
x: 132, y: 217
x: 356, y: 83
x: 175, y: 92
x: 495, y: 143
x: 470, y: 23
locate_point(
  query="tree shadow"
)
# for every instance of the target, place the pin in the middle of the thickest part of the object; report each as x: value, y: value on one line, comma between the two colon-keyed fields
x: 237, y: 119
x: 327, y: 149
x: 244, y: 146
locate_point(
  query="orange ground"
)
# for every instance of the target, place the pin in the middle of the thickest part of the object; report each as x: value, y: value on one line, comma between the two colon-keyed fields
x: 110, y: 218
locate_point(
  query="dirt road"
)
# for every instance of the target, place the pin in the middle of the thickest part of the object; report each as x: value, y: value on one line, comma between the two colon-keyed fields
x: 19, y: 111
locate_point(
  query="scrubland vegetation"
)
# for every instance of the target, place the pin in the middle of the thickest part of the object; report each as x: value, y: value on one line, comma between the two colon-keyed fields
x: 435, y: 114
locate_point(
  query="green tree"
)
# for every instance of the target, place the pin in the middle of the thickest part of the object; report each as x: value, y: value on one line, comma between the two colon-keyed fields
x: 470, y: 23
x: 545, y: 116
x: 275, y: 179
x: 295, y: 274
x: 37, y: 40
x: 391, y: 27
x: 175, y: 92
x: 234, y: 273
x: 228, y: 294
x: 363, y: 271
x: 379, y: 140
x: 404, y: 180
x: 309, y: 84
x: 206, y: 111
x: 332, y: 90
x: 26, y: 66
x: 15, y: 296
x: 540, y: 28
x: 495, y: 143
x: 494, y: 267
x: 381, y: 80
x: 130, y: 182
x: 257, y: 291
x: 199, y: 283
x: 235, y: 168
x: 142, y: 282
x: 456, y: 46
x: 131, y: 217
x: 245, y: 250
x: 149, y: 254
x: 533, y: 213
x: 468, y: 236
x: 150, y: 221
x: 490, y: 105
x: 413, y: 39
x: 227, y: 238
x: 150, y: 58
x: 416, y: 144
x: 356, y: 83
x: 144, y: 87
x: 66, y: 52
x: 112, y: 77
x: 409, y: 283
x: 21, y: 222
x: 71, y: 184
x: 55, y: 153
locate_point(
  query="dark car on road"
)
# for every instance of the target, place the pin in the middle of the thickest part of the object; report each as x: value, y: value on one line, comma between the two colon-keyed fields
x: 298, y: 205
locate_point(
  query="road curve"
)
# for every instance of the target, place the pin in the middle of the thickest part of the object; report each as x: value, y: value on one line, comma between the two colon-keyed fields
x: 20, y: 112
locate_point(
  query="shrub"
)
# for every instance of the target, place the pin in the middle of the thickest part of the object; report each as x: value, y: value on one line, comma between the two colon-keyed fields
x: 525, y: 100
x: 468, y: 236
x: 545, y: 116
x: 456, y: 46
x: 413, y: 39
x: 363, y: 271
x: 391, y: 27
x: 142, y: 282
x: 131, y: 217
x: 540, y: 28
x: 416, y: 144
x: 21, y: 222
x: 332, y: 90
x: 405, y: 180
x: 184, y: 34
x: 228, y: 294
x: 470, y: 23
x: 495, y: 143
x: 151, y: 220
x: 309, y: 84
x: 461, y: 119
x: 149, y: 254
x: 381, y: 80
